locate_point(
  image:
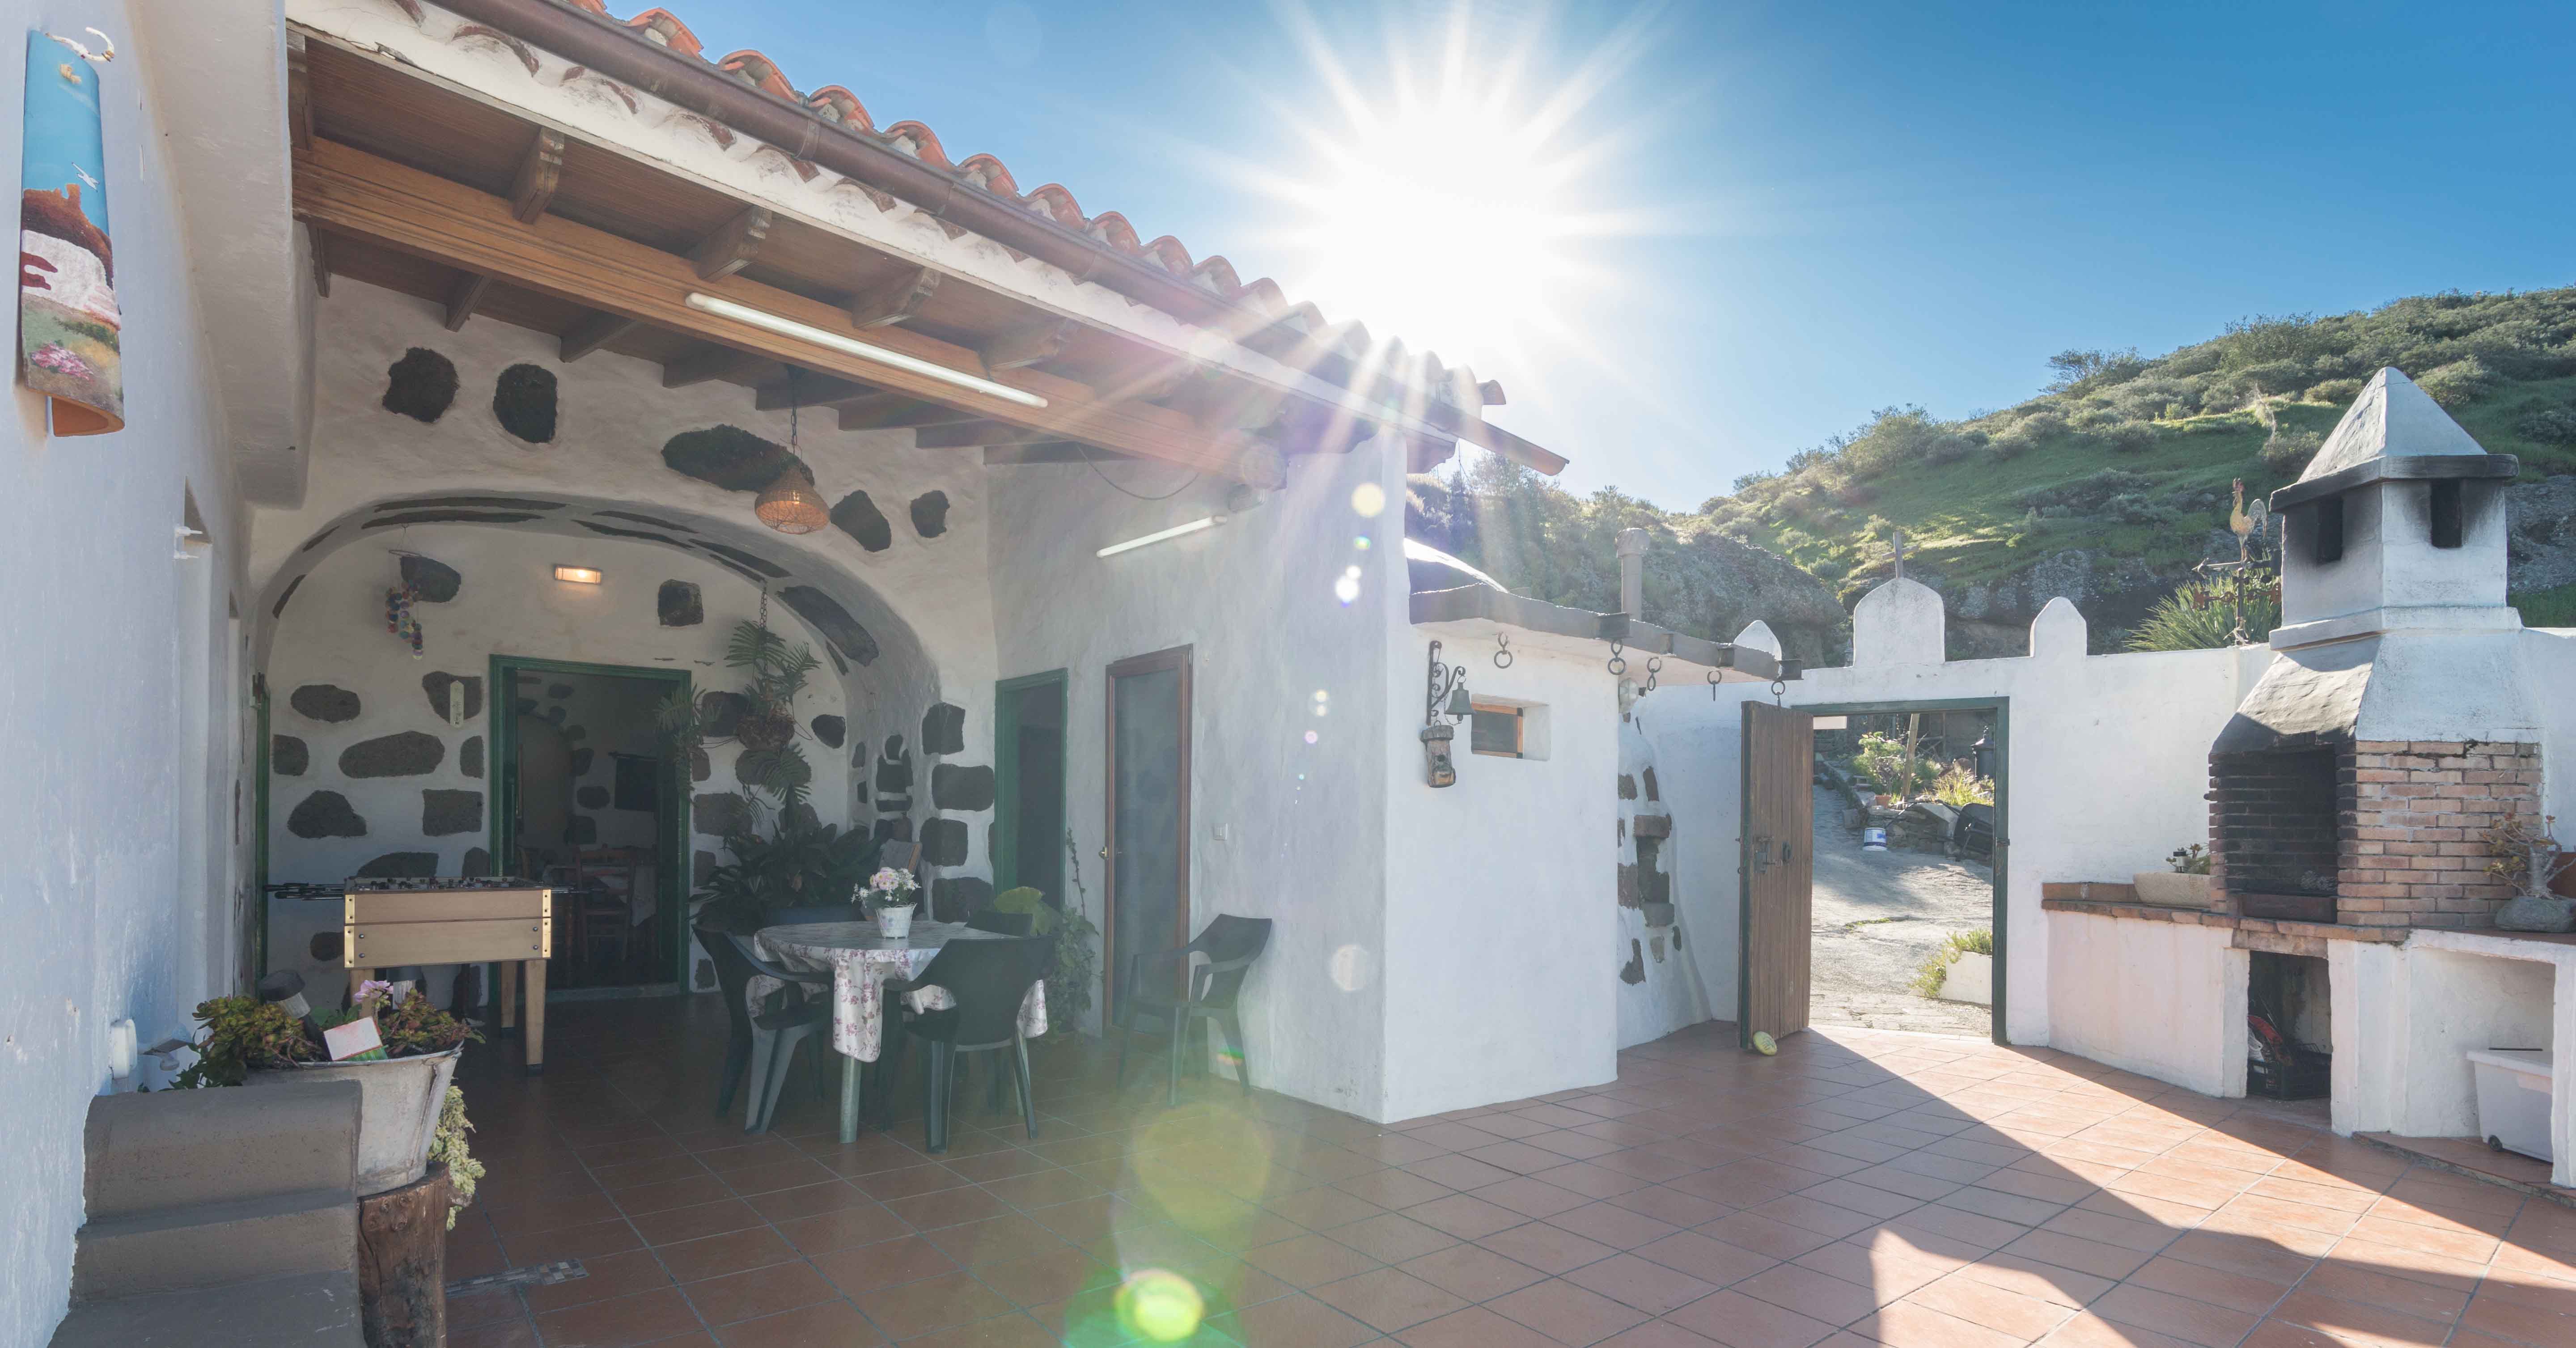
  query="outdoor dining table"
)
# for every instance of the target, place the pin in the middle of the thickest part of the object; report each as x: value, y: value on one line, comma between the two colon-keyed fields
x: 861, y: 960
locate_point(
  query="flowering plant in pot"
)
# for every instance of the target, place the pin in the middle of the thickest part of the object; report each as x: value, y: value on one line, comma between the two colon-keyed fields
x: 402, y: 1084
x: 890, y: 895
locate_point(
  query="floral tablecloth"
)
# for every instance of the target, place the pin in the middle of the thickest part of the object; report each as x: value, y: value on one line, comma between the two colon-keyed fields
x: 861, y: 961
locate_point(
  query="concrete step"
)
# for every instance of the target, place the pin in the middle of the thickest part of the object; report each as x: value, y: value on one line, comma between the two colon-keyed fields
x: 183, y: 1148
x: 312, y: 1310
x: 210, y: 1244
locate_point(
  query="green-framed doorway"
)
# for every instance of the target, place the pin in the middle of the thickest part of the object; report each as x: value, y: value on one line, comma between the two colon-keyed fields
x: 1029, y: 721
x: 671, y: 869
x: 2002, y: 745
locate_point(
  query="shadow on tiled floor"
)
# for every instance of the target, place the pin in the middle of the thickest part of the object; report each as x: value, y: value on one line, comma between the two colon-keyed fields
x: 1861, y: 1188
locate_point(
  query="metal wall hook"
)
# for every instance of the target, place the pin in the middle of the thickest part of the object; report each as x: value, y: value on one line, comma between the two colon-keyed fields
x: 1618, y: 663
x: 1654, y: 666
x: 1502, y: 650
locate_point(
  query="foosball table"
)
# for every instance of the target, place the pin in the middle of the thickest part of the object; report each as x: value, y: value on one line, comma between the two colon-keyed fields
x: 504, y: 921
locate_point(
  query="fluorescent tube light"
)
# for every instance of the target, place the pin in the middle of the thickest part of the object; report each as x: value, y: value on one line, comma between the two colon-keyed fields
x: 1175, y: 531
x: 578, y: 575
x: 807, y: 332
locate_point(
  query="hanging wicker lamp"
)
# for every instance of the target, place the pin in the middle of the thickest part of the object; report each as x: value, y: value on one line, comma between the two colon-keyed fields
x: 791, y: 505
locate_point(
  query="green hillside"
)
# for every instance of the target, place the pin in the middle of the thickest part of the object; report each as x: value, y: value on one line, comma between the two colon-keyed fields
x: 2121, y: 471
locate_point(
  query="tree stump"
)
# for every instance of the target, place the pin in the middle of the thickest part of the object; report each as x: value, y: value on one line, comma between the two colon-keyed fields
x: 402, y: 1264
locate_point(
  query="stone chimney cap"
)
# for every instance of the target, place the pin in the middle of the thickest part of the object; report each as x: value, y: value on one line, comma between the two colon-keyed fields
x: 2391, y: 418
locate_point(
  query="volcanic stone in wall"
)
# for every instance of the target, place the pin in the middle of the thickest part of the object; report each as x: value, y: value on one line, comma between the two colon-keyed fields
x: 445, y: 812
x: 555, y: 714
x: 728, y: 457
x: 434, y: 686
x: 700, y: 767
x: 654, y: 520
x: 584, y: 831
x: 1652, y: 791
x: 840, y: 631
x: 287, y: 756
x: 1634, y: 971
x: 679, y: 604
x: 576, y: 732
x: 720, y: 814
x: 524, y: 400
x: 702, y: 868
x: 1627, y: 787
x: 894, y: 774
x: 421, y: 385
x: 477, y: 862
x: 579, y: 764
x: 893, y: 826
x: 278, y: 609
x: 749, y: 560
x: 407, y: 753
x: 526, y: 705
x: 480, y: 502
x: 400, y: 866
x: 720, y: 714
x: 591, y: 797
x: 859, y: 517
x: 434, y: 581
x: 325, y: 814
x: 894, y: 804
x: 961, y: 788
x: 943, y: 729
x: 558, y: 690
x: 930, y: 514
x: 469, y: 757
x: 324, y: 702
x: 943, y: 842
x: 450, y: 517
x: 612, y: 531
x: 831, y: 730
x: 959, y: 897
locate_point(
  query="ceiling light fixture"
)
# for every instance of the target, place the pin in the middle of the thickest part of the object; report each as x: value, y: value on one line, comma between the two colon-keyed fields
x: 578, y: 575
x: 789, y: 503
x: 869, y: 351
x: 1175, y: 531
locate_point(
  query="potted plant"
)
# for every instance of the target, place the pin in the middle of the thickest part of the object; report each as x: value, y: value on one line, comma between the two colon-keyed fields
x: 2531, y: 861
x: 403, y: 1084
x: 2184, y: 884
x: 1960, y: 969
x: 889, y: 896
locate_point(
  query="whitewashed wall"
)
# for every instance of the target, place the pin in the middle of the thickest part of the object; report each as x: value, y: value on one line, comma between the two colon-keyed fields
x: 1281, y: 828
x: 2160, y: 999
x: 123, y: 887
x: 332, y: 635
x: 2109, y: 764
x: 1502, y: 907
x: 1668, y: 994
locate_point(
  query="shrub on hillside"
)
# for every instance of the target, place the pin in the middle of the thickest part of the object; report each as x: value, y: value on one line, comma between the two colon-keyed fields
x: 2129, y: 437
x: 2288, y: 450
x: 2085, y: 494
x: 2334, y: 392
x: 2549, y: 426
x: 2458, y: 382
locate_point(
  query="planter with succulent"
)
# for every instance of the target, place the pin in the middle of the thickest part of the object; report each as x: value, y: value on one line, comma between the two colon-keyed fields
x: 2530, y: 859
x: 403, y: 1086
x: 1069, y: 977
x: 784, y: 856
x: 2183, y: 884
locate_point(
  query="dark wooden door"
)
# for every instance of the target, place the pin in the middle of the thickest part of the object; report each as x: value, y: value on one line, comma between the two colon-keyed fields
x: 1778, y: 874
x: 1148, y: 852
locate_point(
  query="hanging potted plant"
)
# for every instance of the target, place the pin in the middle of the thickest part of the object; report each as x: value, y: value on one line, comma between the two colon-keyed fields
x: 401, y: 1053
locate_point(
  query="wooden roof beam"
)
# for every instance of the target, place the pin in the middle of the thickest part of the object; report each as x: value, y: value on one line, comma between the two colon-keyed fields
x: 594, y: 332
x: 712, y: 362
x: 1020, y: 347
x: 540, y: 171
x: 1053, y: 451
x: 980, y: 435
x: 894, y: 299
x: 734, y: 244
x: 808, y: 390
x: 464, y: 297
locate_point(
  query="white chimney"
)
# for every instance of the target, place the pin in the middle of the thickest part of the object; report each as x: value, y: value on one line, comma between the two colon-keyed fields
x: 1632, y: 572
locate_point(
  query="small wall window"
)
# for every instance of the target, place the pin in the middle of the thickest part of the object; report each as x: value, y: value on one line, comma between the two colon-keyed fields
x: 1499, y: 730
x: 2325, y: 536
x: 2447, y: 522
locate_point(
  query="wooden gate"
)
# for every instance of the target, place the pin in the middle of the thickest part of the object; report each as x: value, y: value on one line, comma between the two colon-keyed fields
x: 1774, y: 944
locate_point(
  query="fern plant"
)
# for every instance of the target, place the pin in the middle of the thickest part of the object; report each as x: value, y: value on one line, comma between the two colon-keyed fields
x: 772, y: 764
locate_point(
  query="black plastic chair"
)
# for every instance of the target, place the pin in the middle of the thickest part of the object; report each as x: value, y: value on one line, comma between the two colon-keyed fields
x: 776, y: 1033
x: 1003, y: 924
x: 988, y: 979
x: 747, y: 1039
x: 1201, y: 995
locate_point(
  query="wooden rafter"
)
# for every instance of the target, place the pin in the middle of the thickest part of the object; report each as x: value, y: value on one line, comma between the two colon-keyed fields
x: 299, y: 94
x: 894, y: 299
x: 1052, y: 451
x: 320, y: 243
x: 734, y: 244
x: 979, y: 435
x: 1042, y: 341
x: 808, y: 390
x: 711, y: 362
x: 348, y: 190
x: 464, y: 297
x: 540, y: 170
x: 594, y: 332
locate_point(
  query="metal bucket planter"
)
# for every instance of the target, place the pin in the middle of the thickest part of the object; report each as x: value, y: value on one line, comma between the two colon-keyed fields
x: 398, y: 1104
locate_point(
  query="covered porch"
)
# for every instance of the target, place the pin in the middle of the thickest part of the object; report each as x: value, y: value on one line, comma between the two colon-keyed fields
x: 1862, y: 1187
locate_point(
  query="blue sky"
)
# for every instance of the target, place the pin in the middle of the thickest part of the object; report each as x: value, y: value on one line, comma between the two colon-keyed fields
x: 1789, y: 215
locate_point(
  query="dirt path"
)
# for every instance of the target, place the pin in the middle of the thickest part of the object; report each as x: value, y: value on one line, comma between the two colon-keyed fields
x: 1877, y: 914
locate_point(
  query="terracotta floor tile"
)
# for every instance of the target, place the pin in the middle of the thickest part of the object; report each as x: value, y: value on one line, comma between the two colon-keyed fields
x: 827, y: 1324
x: 1580, y: 1144
x: 1001, y: 1331
x: 695, y: 1223
x: 2469, y: 1245
x: 1388, y: 1299
x: 1549, y: 1249
x: 2087, y: 1330
x: 1612, y: 1225
x: 1571, y: 1315
x: 2524, y: 1320
x: 1657, y: 1334
x: 909, y: 1181
x: 864, y: 1268
x: 1292, y: 1322
x: 1590, y: 1180
x: 2180, y: 1317
x: 1043, y: 1278
x: 1810, y: 1294
x: 1739, y: 1321
x: 1666, y: 1204
x: 1887, y: 1270
x: 608, y: 1276
x: 1813, y: 1214
x: 908, y: 1310
x: 2353, y: 1322
x: 2083, y: 1256
x: 1459, y: 1172
x: 1322, y: 1209
x: 1532, y: 1197
x: 2041, y: 1282
x: 2372, y: 1287
x: 2236, y: 1291
x: 1648, y: 1286
x: 2022, y: 1318
x: 732, y: 1252
x: 1712, y: 1261
x: 1465, y: 1216
x: 520, y: 1333
x: 1907, y: 1325
x: 572, y: 1242
x: 995, y: 1240
x: 685, y: 1191
x: 1393, y: 1188
x: 2127, y: 1233
x: 759, y: 1292
x: 2249, y: 1255
x: 946, y: 1207
x: 1472, y: 1272
x: 845, y: 1227
x: 1392, y: 1237
x: 1308, y: 1261
x: 1762, y: 1235
x: 621, y: 1323
x: 1474, y: 1327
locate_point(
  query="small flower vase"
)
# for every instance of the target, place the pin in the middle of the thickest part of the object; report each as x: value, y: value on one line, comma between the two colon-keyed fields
x: 894, y: 921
